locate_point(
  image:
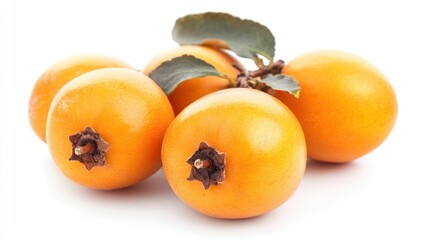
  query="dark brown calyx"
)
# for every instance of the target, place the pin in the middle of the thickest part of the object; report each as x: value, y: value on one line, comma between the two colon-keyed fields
x: 208, y: 166
x: 88, y: 148
x: 251, y: 79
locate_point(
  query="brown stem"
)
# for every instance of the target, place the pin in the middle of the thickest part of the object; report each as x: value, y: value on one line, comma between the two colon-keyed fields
x: 242, y: 77
x: 272, y: 68
x: 249, y: 79
x: 206, y: 163
x: 87, y: 148
x: 236, y: 66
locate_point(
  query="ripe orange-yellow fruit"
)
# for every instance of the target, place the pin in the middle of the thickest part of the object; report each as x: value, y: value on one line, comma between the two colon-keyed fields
x: 346, y: 106
x: 105, y: 128
x: 243, y: 150
x: 55, y: 77
x: 190, y: 90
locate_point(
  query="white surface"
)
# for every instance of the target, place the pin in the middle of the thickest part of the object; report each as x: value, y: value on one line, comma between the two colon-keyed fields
x: 382, y: 195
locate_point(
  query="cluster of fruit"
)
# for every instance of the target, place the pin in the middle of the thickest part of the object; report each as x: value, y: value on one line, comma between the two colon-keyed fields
x: 233, y: 143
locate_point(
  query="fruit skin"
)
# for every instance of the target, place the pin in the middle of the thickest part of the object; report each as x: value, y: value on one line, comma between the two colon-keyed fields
x: 55, y: 77
x: 190, y: 90
x: 346, y: 106
x: 127, y: 109
x: 264, y: 146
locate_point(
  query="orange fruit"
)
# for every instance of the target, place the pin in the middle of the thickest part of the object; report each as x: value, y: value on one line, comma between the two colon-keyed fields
x: 55, y: 77
x: 235, y: 153
x: 105, y: 128
x: 346, y: 106
x: 190, y: 90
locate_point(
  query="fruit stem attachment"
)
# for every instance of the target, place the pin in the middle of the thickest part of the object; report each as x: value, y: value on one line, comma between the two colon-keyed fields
x: 202, y: 163
x: 230, y: 81
x: 251, y: 79
x: 208, y: 166
x: 88, y: 148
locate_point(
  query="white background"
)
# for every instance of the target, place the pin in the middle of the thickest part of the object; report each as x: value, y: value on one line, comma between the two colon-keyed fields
x: 382, y: 195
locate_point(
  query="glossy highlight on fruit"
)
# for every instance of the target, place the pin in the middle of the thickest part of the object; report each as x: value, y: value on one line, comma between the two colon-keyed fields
x: 250, y: 145
x: 189, y: 91
x: 55, y: 77
x: 105, y: 128
x: 346, y: 106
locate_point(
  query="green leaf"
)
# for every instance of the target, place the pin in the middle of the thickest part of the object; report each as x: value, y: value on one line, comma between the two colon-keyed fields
x: 283, y: 83
x: 246, y: 38
x: 171, y: 73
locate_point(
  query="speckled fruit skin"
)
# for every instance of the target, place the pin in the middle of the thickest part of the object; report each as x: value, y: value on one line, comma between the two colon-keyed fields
x: 346, y: 107
x: 55, y: 77
x: 127, y: 109
x: 190, y: 90
x: 264, y: 150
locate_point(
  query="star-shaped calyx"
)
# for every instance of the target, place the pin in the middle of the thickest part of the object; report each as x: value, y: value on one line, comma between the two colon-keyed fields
x: 88, y: 148
x: 208, y: 166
